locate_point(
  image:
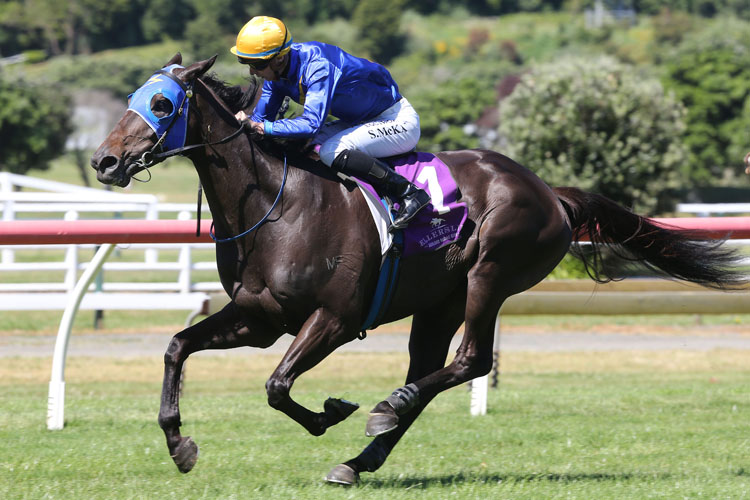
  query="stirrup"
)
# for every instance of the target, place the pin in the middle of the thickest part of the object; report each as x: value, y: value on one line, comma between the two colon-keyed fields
x: 411, y: 207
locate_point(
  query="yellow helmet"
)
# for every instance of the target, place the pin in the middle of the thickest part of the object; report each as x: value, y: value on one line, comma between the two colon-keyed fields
x: 262, y: 37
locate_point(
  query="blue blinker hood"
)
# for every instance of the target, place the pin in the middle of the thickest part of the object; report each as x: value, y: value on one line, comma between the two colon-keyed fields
x: 164, y: 82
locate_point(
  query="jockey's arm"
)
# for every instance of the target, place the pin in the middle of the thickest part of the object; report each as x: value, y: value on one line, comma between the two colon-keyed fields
x: 317, y: 103
x: 269, y: 103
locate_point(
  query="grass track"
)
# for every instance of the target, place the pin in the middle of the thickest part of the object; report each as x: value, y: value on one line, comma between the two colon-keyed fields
x: 47, y: 323
x: 605, y: 425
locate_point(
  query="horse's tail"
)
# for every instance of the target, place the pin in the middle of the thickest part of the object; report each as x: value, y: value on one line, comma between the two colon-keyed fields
x: 682, y: 254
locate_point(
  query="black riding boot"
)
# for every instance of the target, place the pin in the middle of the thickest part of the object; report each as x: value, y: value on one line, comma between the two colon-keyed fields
x: 411, y: 198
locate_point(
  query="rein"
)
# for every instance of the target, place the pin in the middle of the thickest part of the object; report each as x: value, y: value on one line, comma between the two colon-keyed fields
x: 212, y: 233
x: 151, y: 158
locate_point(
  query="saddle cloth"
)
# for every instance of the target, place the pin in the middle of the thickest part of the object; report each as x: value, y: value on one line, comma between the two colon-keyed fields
x: 436, y: 225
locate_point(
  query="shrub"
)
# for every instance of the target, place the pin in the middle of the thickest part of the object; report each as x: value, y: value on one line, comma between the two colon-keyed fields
x: 34, y: 56
x: 34, y: 125
x: 445, y: 111
x: 599, y: 125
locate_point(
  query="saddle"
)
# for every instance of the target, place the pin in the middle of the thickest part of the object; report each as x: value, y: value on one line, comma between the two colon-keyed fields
x: 435, y: 226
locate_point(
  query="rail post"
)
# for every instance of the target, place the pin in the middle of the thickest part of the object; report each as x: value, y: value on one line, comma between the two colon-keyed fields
x: 56, y: 397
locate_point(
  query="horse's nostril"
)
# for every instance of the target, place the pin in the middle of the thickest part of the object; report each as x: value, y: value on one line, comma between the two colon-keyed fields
x: 106, y: 162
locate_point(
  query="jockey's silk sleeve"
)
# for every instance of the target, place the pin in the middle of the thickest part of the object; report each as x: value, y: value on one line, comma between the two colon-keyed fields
x: 268, y: 104
x: 317, y: 89
x: 325, y: 80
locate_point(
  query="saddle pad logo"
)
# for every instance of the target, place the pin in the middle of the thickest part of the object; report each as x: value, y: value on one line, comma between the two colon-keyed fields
x: 440, y: 222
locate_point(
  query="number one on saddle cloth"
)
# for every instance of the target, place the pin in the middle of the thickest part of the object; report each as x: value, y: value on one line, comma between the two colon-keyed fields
x: 429, y: 176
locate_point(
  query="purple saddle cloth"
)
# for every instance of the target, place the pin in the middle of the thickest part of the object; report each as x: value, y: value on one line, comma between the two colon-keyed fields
x: 440, y: 222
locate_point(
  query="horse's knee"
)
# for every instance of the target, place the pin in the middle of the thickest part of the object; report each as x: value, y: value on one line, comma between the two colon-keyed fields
x: 277, y: 391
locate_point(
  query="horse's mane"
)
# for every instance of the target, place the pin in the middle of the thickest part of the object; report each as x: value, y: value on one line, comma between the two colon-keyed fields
x: 237, y: 98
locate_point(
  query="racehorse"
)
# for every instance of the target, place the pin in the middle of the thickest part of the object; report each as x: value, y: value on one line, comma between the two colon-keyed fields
x: 280, y: 279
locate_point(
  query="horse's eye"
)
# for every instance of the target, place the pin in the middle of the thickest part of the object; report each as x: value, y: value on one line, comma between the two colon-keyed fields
x: 161, y: 107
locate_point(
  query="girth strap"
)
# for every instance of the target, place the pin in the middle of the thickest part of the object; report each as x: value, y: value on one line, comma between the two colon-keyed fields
x: 387, y: 281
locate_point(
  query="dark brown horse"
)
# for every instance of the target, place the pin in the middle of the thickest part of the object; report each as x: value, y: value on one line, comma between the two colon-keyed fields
x: 279, y: 279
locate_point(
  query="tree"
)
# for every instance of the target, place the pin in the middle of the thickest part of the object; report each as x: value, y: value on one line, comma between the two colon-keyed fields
x: 705, y: 8
x: 34, y: 125
x: 13, y: 30
x: 710, y: 74
x: 598, y: 125
x: 164, y: 19
x: 217, y: 22
x: 79, y: 26
x: 204, y: 38
x: 379, y: 26
x: 309, y: 11
x: 69, y: 26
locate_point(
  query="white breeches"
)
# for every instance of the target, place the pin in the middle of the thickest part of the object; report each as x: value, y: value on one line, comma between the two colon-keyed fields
x: 394, y: 131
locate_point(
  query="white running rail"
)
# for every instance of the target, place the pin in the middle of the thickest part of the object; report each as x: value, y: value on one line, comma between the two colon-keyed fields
x: 51, y: 199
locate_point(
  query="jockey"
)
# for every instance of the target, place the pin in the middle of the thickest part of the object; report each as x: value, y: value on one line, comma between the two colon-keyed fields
x: 374, y: 120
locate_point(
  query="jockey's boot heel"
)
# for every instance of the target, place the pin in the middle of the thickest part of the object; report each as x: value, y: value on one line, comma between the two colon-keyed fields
x: 412, y: 201
x: 378, y: 173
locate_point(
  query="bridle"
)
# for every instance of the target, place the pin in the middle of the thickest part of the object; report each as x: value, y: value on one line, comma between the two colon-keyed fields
x: 152, y: 157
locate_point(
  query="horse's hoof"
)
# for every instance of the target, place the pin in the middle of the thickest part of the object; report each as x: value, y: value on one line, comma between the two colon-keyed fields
x: 342, y: 474
x: 185, y: 455
x: 380, y: 423
x: 338, y: 409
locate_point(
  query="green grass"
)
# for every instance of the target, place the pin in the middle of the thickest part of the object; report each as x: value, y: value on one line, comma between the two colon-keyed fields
x: 561, y: 426
x: 29, y: 323
x: 47, y: 322
x: 588, y: 322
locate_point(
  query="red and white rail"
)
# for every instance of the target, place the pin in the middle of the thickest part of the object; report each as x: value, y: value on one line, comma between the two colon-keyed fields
x: 42, y: 232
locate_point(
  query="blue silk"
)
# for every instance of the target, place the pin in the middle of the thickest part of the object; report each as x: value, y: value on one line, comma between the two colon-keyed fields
x: 140, y: 104
x: 326, y: 80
